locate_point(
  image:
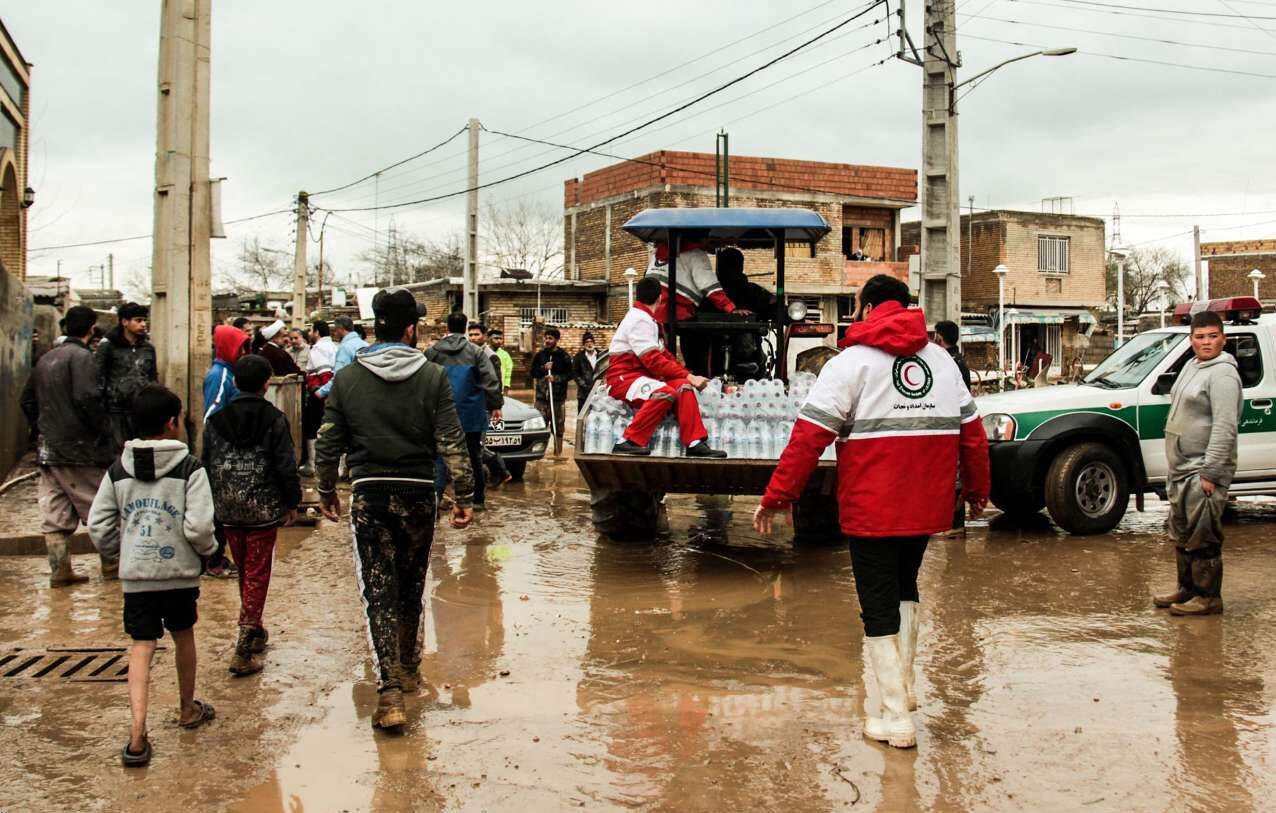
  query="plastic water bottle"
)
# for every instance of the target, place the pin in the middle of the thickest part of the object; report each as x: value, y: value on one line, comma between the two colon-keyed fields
x: 780, y: 437
x: 618, y: 426
x: 752, y: 445
x: 597, y: 430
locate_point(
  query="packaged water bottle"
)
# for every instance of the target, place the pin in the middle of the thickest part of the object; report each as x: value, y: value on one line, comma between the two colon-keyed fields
x: 596, y: 425
x: 618, y: 426
x: 780, y: 437
x: 713, y: 427
x: 752, y: 440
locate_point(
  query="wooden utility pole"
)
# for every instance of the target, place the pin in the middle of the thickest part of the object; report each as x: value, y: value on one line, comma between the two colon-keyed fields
x: 940, y: 293
x: 299, y: 261
x: 181, y: 305
x: 469, y: 288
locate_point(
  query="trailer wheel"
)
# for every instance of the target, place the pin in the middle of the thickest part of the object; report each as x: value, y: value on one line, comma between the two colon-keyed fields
x: 815, y: 520
x: 628, y: 515
x: 1087, y: 489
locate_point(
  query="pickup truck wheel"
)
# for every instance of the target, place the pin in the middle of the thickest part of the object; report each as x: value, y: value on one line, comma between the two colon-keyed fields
x: 1087, y: 489
x: 517, y: 469
x: 1020, y: 509
x: 628, y: 515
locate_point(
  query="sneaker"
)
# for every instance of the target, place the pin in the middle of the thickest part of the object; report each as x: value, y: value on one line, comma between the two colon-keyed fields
x: 260, y: 638
x: 223, y: 571
x: 702, y: 449
x: 630, y: 448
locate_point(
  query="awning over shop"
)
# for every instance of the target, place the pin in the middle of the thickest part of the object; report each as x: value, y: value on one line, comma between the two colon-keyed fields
x: 1024, y: 316
x: 974, y: 334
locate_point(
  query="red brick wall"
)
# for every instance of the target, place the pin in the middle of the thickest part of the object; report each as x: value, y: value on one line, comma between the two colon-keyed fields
x: 1229, y: 276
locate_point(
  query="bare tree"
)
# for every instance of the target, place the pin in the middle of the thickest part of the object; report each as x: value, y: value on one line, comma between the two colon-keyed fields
x: 136, y: 285
x: 405, y: 258
x: 524, y: 235
x: 262, y: 268
x: 1150, y: 273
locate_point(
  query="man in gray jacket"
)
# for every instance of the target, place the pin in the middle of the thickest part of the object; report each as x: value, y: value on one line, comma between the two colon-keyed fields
x: 1200, y: 446
x: 62, y: 401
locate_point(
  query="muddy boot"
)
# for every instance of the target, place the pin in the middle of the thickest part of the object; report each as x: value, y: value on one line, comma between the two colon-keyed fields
x: 307, y: 469
x: 1184, y: 590
x: 110, y: 570
x: 60, y: 572
x: 558, y: 445
x: 909, y: 621
x: 1207, y: 579
x: 244, y: 662
x: 260, y: 639
x: 390, y: 712
x: 410, y: 677
x: 893, y: 724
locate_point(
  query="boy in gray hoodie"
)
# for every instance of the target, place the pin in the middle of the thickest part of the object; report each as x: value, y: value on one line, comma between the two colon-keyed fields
x: 153, y: 514
x: 1200, y: 447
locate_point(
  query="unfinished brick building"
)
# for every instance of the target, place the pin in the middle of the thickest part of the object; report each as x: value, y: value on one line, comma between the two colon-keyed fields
x: 861, y: 203
x: 1231, y: 262
x: 15, y: 111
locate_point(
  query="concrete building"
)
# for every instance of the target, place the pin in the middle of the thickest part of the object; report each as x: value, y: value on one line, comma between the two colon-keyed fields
x: 15, y: 109
x: 1231, y: 262
x: 16, y: 304
x: 1055, y: 277
x: 862, y: 204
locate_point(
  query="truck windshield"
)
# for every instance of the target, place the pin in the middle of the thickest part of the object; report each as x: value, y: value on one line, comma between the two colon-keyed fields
x: 1128, y: 366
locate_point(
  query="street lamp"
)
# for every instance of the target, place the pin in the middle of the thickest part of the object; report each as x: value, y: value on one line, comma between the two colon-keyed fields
x: 1257, y: 277
x: 1001, y: 272
x: 1162, y: 287
x: 952, y: 100
x: 1011, y: 315
x: 630, y: 275
x: 1120, y: 254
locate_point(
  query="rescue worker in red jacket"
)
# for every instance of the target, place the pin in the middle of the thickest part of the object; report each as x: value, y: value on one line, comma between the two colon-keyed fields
x: 699, y: 290
x: 903, y: 421
x: 648, y: 377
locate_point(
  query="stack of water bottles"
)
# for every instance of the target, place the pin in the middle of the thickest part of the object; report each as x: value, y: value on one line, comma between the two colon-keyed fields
x: 753, y: 422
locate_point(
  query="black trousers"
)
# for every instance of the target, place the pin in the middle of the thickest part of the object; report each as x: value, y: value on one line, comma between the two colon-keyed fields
x: 393, y: 530
x: 885, y: 569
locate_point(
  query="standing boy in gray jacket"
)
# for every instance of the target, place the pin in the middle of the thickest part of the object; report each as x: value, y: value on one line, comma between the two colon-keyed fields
x: 1200, y: 446
x: 154, y: 515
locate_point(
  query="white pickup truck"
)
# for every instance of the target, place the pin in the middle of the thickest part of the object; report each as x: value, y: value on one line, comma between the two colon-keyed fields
x: 1082, y: 450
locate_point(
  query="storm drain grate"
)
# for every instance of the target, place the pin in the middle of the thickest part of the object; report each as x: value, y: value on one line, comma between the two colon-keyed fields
x: 83, y: 665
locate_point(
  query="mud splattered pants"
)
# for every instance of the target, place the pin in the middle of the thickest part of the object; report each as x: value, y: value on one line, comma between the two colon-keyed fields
x: 254, y: 553
x: 393, y: 524
x: 1196, y: 527
x: 885, y: 570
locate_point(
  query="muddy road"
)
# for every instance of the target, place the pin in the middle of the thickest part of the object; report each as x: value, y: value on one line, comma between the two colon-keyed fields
x: 713, y: 670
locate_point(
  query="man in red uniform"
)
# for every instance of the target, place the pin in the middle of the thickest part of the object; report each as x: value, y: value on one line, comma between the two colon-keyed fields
x: 904, y: 423
x: 648, y: 377
x: 699, y: 290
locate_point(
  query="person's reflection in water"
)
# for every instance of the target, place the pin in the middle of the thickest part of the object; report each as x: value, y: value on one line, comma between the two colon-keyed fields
x: 403, y: 779
x: 469, y: 623
x: 1211, y: 690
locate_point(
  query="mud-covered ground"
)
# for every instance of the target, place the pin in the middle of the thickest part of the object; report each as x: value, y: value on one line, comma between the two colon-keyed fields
x: 712, y: 670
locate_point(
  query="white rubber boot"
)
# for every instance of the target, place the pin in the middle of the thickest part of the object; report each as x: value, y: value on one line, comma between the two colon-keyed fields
x: 894, y: 725
x: 909, y: 621
x: 307, y: 469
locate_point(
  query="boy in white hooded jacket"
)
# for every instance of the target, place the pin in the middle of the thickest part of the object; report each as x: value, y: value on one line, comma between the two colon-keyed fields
x: 153, y: 514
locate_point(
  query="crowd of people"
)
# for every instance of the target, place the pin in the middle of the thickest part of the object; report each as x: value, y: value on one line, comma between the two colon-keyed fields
x: 403, y: 424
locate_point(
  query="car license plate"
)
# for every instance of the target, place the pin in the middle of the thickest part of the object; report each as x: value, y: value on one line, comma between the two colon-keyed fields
x: 503, y: 440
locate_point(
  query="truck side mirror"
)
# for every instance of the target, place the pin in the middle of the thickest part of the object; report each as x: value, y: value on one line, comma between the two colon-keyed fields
x: 1164, y: 383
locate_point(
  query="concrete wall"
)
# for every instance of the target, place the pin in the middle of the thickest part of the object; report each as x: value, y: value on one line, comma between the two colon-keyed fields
x: 16, y: 320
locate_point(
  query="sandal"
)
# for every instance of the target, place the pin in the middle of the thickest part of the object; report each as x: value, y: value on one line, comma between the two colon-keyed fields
x: 138, y: 760
x: 206, y: 713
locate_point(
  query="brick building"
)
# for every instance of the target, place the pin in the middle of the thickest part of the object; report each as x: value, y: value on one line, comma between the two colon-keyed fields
x: 1055, y: 276
x: 861, y: 203
x: 15, y: 110
x: 1231, y: 262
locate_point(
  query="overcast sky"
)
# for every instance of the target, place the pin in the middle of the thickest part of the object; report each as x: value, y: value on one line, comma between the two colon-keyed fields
x: 313, y: 94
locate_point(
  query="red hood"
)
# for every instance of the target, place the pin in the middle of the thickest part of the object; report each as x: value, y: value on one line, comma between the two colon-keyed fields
x: 890, y: 327
x: 228, y: 343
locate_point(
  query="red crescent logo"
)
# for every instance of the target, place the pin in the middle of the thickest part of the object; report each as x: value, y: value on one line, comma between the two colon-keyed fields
x: 906, y: 374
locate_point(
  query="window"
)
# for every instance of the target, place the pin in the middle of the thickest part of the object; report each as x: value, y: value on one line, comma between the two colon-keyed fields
x: 863, y: 243
x: 12, y: 84
x: 1052, y: 255
x: 1249, y: 358
x: 550, y: 316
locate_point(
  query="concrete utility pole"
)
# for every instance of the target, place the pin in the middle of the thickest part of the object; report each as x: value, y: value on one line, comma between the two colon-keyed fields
x: 469, y: 288
x: 1201, y: 293
x: 940, y: 294
x: 110, y: 272
x: 299, y: 261
x: 181, y: 305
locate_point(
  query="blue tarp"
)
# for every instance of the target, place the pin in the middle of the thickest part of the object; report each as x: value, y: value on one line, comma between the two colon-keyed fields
x: 744, y: 227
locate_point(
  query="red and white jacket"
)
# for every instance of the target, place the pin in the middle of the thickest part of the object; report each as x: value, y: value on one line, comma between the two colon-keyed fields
x: 697, y: 284
x: 637, y: 358
x: 902, y: 420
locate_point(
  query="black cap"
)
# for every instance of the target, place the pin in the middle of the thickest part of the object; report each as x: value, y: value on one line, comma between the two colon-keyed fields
x: 395, y: 309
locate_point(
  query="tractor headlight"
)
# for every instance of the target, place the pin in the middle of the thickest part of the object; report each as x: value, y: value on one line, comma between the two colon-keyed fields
x: 999, y: 426
x: 797, y: 311
x: 534, y: 423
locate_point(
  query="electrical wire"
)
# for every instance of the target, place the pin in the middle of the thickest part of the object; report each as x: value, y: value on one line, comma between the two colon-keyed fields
x: 1249, y: 19
x: 148, y: 236
x: 1231, y: 15
x: 1132, y: 58
x: 1176, y: 20
x: 1159, y: 40
x: 385, y: 169
x: 636, y: 128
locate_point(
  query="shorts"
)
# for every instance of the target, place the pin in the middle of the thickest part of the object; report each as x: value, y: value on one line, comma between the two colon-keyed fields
x: 147, y: 614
